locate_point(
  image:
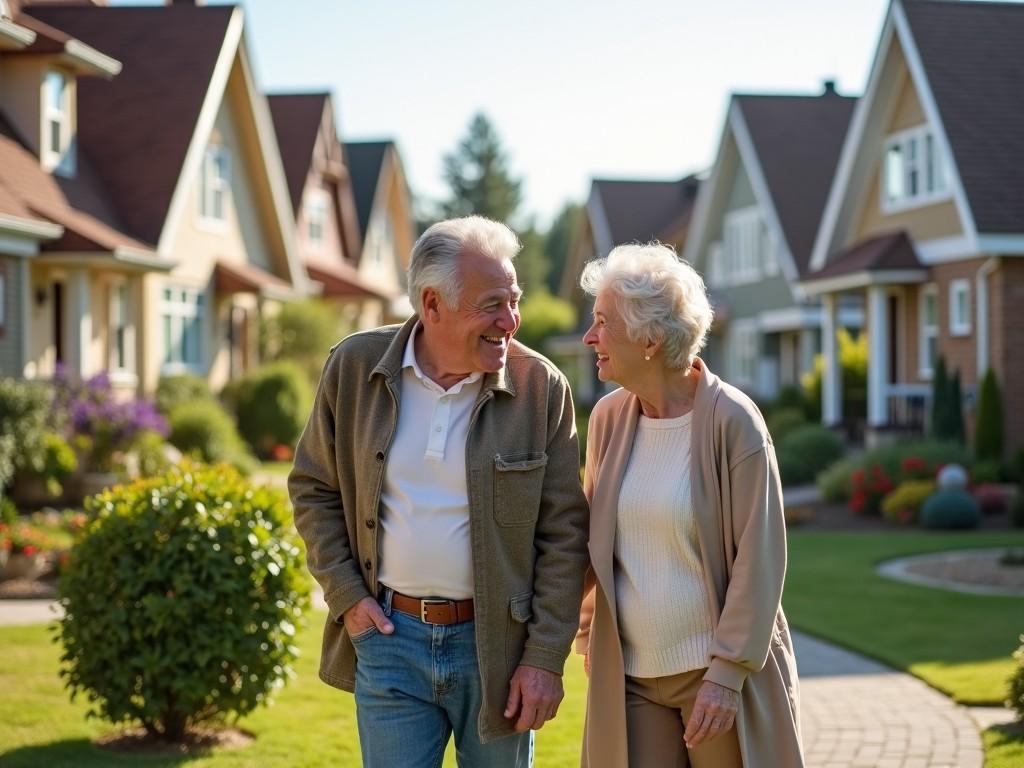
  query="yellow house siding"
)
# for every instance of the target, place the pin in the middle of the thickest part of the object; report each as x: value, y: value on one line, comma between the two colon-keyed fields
x: 22, y: 97
x: 908, y: 112
x: 925, y: 223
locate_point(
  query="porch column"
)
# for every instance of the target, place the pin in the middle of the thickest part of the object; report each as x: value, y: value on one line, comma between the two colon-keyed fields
x: 79, y: 319
x: 831, y: 377
x: 807, y: 348
x: 25, y: 308
x: 981, y: 307
x: 878, y: 357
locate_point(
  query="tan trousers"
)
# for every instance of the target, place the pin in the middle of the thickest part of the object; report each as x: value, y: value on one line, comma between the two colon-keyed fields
x: 656, y: 712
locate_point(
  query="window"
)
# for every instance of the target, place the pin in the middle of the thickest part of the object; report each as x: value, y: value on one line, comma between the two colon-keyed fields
x: 122, y: 334
x: 743, y: 348
x: 215, y: 185
x: 960, y: 307
x: 743, y: 241
x: 58, y: 152
x: 913, y: 170
x: 316, y: 218
x: 182, y: 314
x: 929, y: 322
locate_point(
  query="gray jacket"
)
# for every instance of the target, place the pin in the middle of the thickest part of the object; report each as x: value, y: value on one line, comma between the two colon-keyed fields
x: 528, y: 514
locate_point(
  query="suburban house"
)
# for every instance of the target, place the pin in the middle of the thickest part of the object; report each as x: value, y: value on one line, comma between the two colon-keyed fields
x: 752, y: 233
x: 320, y: 189
x: 618, y: 211
x: 925, y: 217
x: 154, y: 191
x: 384, y: 209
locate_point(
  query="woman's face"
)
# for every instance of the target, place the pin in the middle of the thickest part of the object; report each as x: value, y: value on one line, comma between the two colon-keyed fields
x: 618, y: 358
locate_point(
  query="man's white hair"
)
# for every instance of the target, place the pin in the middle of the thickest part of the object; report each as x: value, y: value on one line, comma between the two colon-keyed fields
x: 435, y: 256
x: 660, y: 297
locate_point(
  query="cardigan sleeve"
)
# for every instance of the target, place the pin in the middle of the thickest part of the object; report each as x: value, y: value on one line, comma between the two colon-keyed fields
x: 754, y: 591
x: 595, y: 429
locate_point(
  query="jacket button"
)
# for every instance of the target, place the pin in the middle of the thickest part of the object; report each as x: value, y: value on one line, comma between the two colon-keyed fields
x: 380, y: 456
x: 367, y: 564
x: 371, y: 524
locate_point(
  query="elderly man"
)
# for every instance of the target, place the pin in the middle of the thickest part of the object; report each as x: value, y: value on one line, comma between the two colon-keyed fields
x: 436, y: 486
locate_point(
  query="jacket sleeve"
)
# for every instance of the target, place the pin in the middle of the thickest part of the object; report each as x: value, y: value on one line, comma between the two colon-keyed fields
x: 314, y: 488
x: 754, y: 592
x: 560, y: 540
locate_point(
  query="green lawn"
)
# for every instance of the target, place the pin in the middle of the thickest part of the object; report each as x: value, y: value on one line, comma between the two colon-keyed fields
x: 958, y: 643
x: 311, y: 725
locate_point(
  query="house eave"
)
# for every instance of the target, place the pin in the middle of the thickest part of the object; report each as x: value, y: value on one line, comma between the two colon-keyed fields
x: 91, y: 61
x: 42, y: 230
x: 14, y: 37
x: 862, y: 279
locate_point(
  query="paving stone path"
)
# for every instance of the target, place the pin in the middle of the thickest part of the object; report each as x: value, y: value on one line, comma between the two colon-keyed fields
x: 856, y: 712
x: 860, y: 714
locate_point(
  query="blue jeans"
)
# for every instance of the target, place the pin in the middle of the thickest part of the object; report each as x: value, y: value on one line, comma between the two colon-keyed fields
x: 418, y: 686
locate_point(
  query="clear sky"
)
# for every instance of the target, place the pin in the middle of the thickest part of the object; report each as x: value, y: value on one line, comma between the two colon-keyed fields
x: 576, y: 88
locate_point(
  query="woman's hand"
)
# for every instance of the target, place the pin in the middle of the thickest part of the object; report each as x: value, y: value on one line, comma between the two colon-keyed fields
x: 714, y: 712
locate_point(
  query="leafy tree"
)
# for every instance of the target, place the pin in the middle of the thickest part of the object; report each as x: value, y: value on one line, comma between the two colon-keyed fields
x: 544, y: 315
x: 478, y: 175
x: 558, y: 242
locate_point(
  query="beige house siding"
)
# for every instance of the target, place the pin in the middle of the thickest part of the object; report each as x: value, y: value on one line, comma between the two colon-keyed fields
x: 908, y: 112
x: 23, y: 93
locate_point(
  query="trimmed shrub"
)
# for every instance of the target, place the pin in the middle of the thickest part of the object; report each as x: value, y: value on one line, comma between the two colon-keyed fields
x: 782, y: 421
x: 1016, y: 700
x: 204, y: 430
x: 151, y: 454
x: 987, y: 471
x: 991, y: 499
x: 172, y: 391
x: 806, y: 451
x: 181, y: 599
x: 903, y: 504
x: 853, y: 362
x: 950, y: 509
x: 988, y: 433
x: 25, y: 413
x: 271, y: 406
x: 544, y: 315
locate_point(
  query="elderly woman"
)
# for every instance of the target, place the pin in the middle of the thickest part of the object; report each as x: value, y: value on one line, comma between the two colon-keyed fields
x: 688, y: 652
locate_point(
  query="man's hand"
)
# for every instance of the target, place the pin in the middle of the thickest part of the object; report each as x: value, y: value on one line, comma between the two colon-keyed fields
x: 714, y: 712
x: 365, y: 614
x: 586, y: 663
x: 534, y: 696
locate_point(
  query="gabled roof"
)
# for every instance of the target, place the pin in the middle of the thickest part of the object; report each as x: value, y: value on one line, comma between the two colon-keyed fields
x: 365, y: 164
x: 297, y: 118
x: 973, y: 59
x: 640, y: 211
x: 137, y: 128
x: 797, y: 140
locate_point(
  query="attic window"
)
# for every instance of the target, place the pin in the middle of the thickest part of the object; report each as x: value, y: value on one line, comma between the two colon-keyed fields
x: 316, y: 218
x: 913, y: 170
x: 58, y: 151
x: 215, y: 184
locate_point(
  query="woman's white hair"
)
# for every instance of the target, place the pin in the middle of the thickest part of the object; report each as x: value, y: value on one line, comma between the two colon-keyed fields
x: 660, y: 297
x: 435, y: 256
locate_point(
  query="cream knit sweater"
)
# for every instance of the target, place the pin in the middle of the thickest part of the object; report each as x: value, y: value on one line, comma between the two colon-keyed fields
x: 664, y: 620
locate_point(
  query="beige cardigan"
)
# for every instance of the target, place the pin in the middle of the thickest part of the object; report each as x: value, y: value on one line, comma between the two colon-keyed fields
x: 737, y: 498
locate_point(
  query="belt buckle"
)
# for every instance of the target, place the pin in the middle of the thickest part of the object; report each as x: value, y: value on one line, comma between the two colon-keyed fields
x: 423, y: 608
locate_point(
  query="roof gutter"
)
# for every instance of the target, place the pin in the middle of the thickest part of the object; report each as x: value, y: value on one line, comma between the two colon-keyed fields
x: 90, y: 59
x: 15, y: 35
x: 42, y: 230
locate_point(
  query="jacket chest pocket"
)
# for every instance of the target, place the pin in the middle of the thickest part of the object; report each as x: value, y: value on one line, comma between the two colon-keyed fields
x: 518, y: 485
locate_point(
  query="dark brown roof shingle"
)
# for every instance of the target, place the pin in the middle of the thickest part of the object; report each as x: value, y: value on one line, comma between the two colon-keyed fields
x: 640, y: 211
x: 297, y: 118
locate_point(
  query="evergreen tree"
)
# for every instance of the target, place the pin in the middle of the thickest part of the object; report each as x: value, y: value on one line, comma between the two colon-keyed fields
x: 531, y: 264
x: 940, y: 398
x: 955, y: 409
x: 558, y: 242
x: 478, y: 176
x: 988, y: 434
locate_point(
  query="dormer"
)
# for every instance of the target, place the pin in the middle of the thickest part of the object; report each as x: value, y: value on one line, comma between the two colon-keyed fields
x: 40, y: 86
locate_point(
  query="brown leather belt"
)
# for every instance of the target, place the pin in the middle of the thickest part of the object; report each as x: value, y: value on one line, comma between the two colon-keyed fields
x: 433, y: 611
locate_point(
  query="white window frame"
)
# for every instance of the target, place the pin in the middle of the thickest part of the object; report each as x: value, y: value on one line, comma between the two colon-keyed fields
x: 182, y: 311
x: 742, y: 238
x: 959, y: 326
x: 927, y: 331
x: 744, y: 352
x: 923, y: 162
x: 121, y: 357
x: 211, y: 185
x: 61, y: 161
x: 317, y: 208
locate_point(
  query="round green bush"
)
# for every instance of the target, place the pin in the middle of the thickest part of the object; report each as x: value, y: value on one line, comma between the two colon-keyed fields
x: 783, y: 421
x: 806, y: 451
x: 949, y: 509
x: 172, y: 391
x: 272, y: 405
x: 181, y: 600
x: 1016, y: 700
x: 203, y: 429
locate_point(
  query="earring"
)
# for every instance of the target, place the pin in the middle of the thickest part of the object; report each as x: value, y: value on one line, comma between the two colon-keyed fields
x: 647, y: 357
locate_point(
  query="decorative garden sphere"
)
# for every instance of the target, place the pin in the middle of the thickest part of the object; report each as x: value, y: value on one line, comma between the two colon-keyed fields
x: 951, y: 477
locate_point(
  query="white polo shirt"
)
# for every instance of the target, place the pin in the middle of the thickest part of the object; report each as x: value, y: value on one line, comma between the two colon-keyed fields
x: 425, y: 548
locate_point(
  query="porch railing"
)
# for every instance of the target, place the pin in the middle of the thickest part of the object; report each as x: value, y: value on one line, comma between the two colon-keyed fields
x: 909, y: 406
